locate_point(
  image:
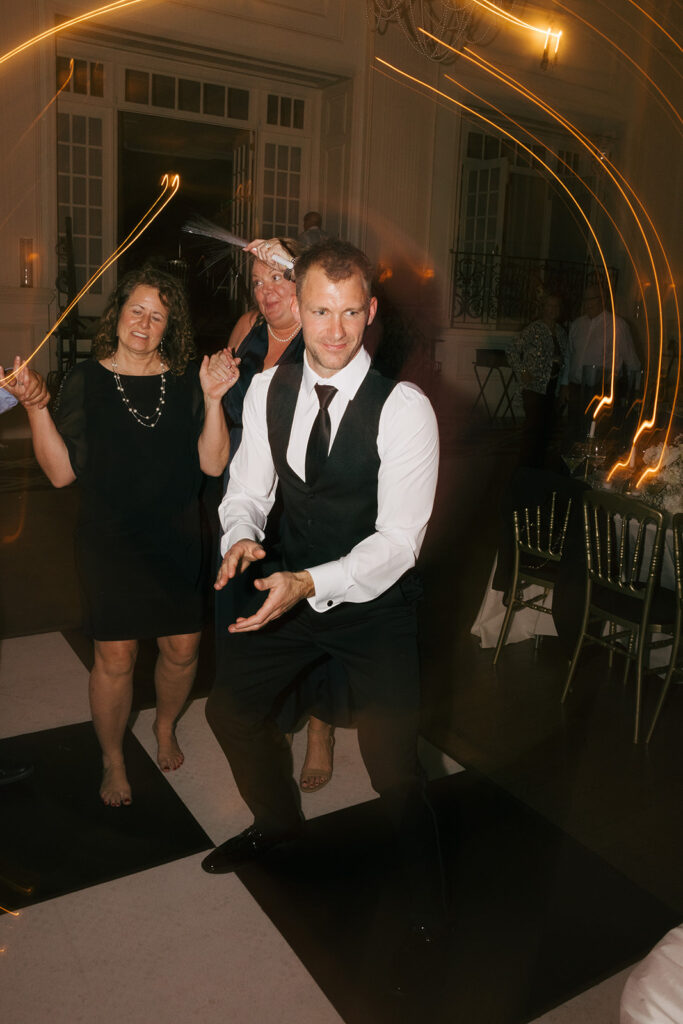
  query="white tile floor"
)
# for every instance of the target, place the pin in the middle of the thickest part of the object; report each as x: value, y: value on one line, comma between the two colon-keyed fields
x: 173, y: 944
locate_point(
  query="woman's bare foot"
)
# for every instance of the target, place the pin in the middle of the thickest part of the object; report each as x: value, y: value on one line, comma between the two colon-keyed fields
x: 115, y: 788
x: 169, y: 754
x: 317, y: 767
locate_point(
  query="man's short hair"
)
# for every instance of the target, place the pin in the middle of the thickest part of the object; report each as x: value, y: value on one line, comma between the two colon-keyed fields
x: 312, y: 219
x: 338, y: 260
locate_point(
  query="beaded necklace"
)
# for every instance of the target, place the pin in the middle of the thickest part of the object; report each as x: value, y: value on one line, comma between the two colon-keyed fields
x: 140, y: 417
x: 284, y: 341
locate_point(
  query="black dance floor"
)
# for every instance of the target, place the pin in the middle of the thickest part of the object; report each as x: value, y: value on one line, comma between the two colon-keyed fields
x: 537, y: 917
x: 57, y: 835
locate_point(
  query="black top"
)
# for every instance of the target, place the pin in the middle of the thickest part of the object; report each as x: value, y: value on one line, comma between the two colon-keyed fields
x: 138, y: 539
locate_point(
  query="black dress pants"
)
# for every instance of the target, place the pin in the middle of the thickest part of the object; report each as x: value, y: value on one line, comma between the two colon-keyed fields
x: 377, y: 644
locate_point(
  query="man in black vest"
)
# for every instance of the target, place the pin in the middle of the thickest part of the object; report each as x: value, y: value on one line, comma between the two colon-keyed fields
x: 356, y: 456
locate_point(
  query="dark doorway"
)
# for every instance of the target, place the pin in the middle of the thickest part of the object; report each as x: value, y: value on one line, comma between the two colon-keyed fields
x: 203, y: 155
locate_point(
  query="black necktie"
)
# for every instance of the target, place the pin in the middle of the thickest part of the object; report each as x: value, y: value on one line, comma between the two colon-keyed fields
x: 319, y: 438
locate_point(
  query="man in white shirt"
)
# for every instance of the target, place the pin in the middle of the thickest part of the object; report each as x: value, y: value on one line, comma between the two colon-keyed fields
x: 356, y: 457
x: 590, y: 345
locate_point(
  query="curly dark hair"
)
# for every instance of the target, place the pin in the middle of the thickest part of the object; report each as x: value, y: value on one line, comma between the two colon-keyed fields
x: 178, y: 343
x: 338, y: 260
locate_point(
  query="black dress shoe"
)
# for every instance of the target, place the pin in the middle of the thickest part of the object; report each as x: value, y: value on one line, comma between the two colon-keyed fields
x: 14, y: 773
x: 247, y: 846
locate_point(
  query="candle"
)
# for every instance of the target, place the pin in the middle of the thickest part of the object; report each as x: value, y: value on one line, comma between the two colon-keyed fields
x: 591, y: 432
x: 632, y: 460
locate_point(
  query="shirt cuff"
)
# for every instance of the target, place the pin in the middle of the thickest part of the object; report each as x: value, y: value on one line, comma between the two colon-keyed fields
x: 329, y: 580
x: 239, y: 532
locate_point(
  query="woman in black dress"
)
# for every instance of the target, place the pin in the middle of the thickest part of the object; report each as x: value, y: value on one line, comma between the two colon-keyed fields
x: 137, y: 425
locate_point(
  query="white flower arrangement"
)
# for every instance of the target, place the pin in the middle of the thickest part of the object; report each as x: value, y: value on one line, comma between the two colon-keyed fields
x: 665, y: 490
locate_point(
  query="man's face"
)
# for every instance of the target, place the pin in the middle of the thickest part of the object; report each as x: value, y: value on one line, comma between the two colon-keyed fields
x: 592, y: 302
x: 334, y: 315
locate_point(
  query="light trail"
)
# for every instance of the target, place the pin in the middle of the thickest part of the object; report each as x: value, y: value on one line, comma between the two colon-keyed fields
x: 648, y: 42
x: 576, y: 175
x: 107, y: 9
x: 513, y: 20
x: 643, y: 424
x: 45, y: 109
x: 534, y: 156
x: 654, y: 22
x: 586, y: 142
x: 605, y: 399
x: 171, y: 184
x: 624, y: 54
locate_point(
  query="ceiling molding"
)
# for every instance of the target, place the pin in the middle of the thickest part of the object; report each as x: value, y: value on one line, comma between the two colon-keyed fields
x: 204, y: 56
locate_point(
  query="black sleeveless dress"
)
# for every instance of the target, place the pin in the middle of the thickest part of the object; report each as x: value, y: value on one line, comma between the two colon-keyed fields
x: 138, y: 537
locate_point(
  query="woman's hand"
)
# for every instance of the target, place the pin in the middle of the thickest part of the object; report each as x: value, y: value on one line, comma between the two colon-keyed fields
x: 266, y: 251
x: 218, y: 373
x: 27, y: 386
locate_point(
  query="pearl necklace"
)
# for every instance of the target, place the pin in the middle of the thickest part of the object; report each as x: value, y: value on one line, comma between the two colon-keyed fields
x: 140, y: 417
x: 284, y: 341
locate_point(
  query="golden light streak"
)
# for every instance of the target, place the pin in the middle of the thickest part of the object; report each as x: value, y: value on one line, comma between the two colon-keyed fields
x: 47, y: 106
x: 14, y: 913
x: 512, y: 83
x: 108, y: 8
x: 595, y: 196
x: 646, y: 39
x: 613, y: 173
x: 500, y: 13
x: 534, y: 156
x: 605, y: 399
x: 660, y: 27
x: 170, y: 184
x: 624, y: 54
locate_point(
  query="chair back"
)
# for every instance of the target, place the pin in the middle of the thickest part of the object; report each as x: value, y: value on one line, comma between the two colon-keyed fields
x: 541, y: 533
x: 678, y: 556
x: 624, y: 540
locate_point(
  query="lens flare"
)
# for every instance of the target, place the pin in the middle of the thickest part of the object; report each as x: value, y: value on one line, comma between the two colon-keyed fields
x: 171, y: 184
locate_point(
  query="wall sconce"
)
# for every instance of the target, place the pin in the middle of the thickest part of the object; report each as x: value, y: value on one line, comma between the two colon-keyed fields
x: 26, y: 258
x: 552, y: 45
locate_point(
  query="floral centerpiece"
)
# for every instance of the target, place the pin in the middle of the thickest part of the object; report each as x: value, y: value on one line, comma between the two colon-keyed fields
x: 665, y: 490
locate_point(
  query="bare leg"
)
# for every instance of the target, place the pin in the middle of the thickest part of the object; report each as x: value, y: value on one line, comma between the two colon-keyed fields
x: 317, y: 767
x: 111, y: 693
x: 173, y: 677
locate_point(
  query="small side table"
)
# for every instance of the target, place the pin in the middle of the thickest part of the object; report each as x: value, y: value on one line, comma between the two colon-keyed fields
x: 491, y: 365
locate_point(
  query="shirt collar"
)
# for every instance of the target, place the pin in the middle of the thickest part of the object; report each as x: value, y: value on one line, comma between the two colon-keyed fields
x: 347, y: 380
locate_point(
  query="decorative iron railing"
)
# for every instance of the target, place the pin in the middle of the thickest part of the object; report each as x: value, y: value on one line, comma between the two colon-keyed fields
x: 503, y: 291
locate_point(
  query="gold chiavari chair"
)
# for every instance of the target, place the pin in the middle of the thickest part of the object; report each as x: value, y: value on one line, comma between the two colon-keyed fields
x: 623, y: 541
x: 539, y: 540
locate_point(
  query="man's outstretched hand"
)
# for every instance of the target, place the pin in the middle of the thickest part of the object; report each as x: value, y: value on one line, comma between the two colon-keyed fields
x: 285, y: 589
x: 236, y: 559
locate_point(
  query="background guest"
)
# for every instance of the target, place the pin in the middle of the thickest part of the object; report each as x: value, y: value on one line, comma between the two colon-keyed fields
x: 313, y: 230
x: 590, y: 345
x: 537, y: 356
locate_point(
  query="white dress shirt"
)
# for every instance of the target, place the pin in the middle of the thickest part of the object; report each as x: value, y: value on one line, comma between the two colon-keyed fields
x: 408, y: 447
x: 590, y: 344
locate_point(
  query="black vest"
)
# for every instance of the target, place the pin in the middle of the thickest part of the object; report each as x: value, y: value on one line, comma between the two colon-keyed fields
x: 323, y: 522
